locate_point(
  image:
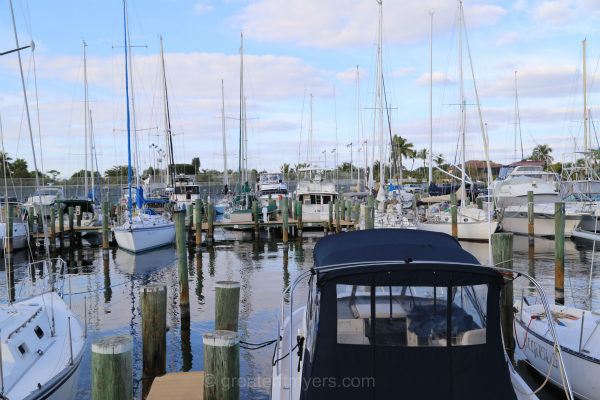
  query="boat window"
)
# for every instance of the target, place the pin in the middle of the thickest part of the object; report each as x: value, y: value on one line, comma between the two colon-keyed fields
x: 306, y: 199
x: 411, y: 315
x: 353, y: 314
x: 39, y: 332
x: 314, y: 199
x: 326, y: 199
x: 23, y: 349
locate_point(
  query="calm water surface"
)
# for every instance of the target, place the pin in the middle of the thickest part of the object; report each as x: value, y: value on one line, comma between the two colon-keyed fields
x: 264, y: 269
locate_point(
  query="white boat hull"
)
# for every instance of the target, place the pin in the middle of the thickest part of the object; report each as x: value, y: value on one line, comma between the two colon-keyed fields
x: 19, y: 235
x: 466, y: 231
x: 543, y: 224
x: 140, y: 239
x: 583, y: 369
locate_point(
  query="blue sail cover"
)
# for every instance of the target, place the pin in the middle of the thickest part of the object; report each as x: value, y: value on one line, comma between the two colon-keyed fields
x: 140, y: 197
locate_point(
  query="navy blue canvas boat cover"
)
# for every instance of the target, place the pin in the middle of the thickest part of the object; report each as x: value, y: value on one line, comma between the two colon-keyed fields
x: 379, y: 366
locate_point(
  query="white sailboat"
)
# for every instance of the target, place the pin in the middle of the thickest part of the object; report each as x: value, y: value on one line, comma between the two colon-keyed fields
x: 143, y: 230
x: 472, y: 223
x: 41, y: 340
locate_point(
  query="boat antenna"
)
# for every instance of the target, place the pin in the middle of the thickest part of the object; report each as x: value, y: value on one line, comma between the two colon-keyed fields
x: 224, y: 134
x: 431, y: 100
x: 37, y: 175
x: 241, y: 108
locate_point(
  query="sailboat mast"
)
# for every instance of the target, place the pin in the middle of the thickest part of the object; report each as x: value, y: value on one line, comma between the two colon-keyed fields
x: 358, y: 122
x: 585, y: 116
x: 462, y: 106
x: 226, y: 181
x: 241, y: 116
x: 85, y: 117
x: 431, y: 100
x: 166, y: 113
x: 127, y: 107
x: 516, y: 120
x: 133, y: 120
x: 380, y: 79
x: 92, y: 157
x: 310, y: 149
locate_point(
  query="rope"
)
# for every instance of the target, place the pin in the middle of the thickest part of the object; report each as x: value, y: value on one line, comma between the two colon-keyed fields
x: 547, y: 376
x: 256, y: 346
x: 275, y: 361
x: 526, y: 332
x: 121, y: 283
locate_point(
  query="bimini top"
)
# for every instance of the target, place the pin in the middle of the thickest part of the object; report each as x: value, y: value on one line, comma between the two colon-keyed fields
x: 376, y: 245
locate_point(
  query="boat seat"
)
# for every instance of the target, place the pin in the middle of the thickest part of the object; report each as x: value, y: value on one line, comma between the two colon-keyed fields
x: 351, y: 331
x: 474, y: 336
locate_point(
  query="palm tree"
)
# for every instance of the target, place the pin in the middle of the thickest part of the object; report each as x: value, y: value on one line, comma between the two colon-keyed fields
x: 541, y: 152
x: 439, y: 159
x: 402, y: 148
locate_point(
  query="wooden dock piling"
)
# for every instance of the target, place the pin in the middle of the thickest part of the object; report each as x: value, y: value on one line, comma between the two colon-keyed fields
x: 255, y: 216
x: 369, y: 217
x: 330, y: 205
x: 356, y: 215
x: 112, y: 368
x: 61, y: 225
x: 338, y: 210
x: 78, y: 220
x: 198, y: 223
x: 502, y: 255
x: 453, y: 214
x: 559, y: 253
x: 184, y: 291
x: 299, y: 218
x: 480, y: 203
x: 9, y: 228
x: 530, y: 217
x: 227, y: 305
x: 210, y: 217
x: 153, y: 301
x: 71, y: 211
x: 30, y: 216
x: 221, y: 365
x: 52, y: 228
x: 105, y: 218
x: 189, y: 212
x: 285, y: 227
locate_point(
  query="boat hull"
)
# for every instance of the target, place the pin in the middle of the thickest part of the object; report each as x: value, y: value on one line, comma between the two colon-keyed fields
x: 479, y: 231
x: 140, y: 239
x: 543, y: 224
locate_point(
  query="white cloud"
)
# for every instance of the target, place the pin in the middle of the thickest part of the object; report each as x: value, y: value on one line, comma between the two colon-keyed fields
x: 349, y: 75
x: 202, y: 8
x: 334, y: 23
x: 399, y: 73
x: 537, y: 81
x: 508, y: 38
x: 438, y: 78
x: 555, y: 12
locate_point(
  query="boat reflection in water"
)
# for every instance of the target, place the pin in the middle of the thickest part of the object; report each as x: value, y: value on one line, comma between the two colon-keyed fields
x: 146, y: 262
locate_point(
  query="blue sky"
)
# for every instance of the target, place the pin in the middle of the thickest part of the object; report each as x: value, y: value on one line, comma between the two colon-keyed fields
x: 294, y: 48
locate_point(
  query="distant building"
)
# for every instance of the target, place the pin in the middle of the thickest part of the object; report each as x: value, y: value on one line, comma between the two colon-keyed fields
x: 477, y: 169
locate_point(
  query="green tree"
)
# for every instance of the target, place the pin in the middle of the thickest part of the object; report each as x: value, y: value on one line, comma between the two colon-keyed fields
x: 402, y: 148
x: 19, y: 167
x: 422, y: 155
x: 118, y: 171
x: 54, y: 174
x: 541, y: 152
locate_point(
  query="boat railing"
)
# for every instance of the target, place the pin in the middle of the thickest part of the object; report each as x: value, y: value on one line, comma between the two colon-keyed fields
x: 33, y: 279
x: 289, y: 293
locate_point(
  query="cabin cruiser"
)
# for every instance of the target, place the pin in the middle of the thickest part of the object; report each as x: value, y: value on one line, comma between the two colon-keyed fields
x: 518, y: 178
x: 42, y: 340
x: 271, y: 185
x: 581, y: 182
x: 186, y: 191
x: 316, y: 189
x: 45, y: 198
x: 20, y: 227
x: 393, y: 312
x: 514, y: 218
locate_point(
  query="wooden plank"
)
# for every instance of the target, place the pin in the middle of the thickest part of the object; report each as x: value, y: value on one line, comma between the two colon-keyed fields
x: 178, y: 386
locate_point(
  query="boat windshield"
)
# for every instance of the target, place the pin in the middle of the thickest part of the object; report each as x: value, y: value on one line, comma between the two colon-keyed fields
x: 411, y: 315
x: 48, y: 192
x: 187, y: 189
x: 271, y: 178
x: 505, y: 170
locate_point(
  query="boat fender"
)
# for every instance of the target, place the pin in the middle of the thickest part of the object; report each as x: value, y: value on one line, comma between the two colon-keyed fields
x: 300, y: 345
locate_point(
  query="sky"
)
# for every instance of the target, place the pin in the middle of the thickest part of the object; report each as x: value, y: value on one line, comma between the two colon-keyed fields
x: 294, y: 49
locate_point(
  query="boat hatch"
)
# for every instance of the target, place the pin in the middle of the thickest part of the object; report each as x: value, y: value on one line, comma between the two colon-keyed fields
x: 402, y: 314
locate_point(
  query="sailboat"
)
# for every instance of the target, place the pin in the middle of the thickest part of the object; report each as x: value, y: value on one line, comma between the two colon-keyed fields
x: 41, y: 339
x: 144, y: 229
x: 472, y: 223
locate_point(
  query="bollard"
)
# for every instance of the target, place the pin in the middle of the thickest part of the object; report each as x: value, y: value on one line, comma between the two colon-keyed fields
x: 210, y: 216
x: 227, y: 305
x: 284, y: 228
x: 52, y: 227
x: 198, y: 223
x: 453, y: 212
x: 71, y: 233
x: 153, y: 301
x: 184, y: 295
x: 105, y: 217
x: 502, y: 254
x: 61, y: 225
x: 559, y: 253
x: 480, y: 203
x: 530, y: 217
x: 255, y: 216
x: 112, y: 368
x: 221, y: 365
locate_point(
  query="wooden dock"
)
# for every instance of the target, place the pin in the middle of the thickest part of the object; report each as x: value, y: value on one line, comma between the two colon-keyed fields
x: 178, y: 386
